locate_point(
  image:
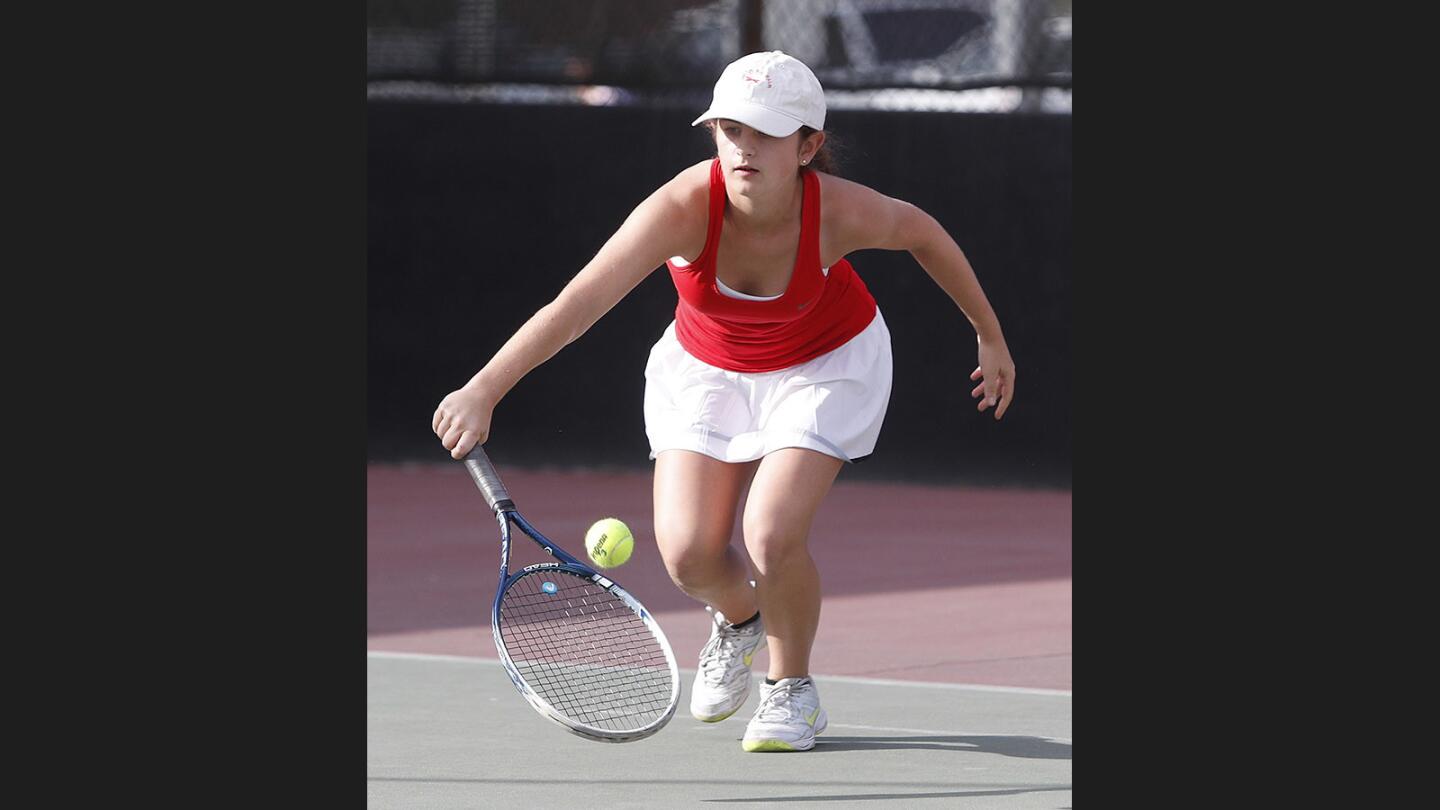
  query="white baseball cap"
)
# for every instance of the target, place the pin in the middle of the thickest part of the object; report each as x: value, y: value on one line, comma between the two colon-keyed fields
x: 770, y: 91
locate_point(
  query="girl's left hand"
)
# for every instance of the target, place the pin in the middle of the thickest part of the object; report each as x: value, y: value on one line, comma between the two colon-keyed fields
x: 997, y: 374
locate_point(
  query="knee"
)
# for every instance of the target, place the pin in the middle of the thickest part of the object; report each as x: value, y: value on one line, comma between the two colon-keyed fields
x: 773, y: 547
x: 693, y: 558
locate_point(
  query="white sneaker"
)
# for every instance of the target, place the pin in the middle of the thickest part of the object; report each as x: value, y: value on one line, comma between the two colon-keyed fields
x: 723, y: 681
x: 788, y: 718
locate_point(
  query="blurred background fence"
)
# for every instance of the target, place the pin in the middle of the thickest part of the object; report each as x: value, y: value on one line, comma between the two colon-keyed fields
x: 654, y: 46
x: 508, y: 139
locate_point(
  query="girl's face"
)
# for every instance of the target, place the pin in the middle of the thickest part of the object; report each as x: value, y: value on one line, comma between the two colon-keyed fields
x: 753, y: 161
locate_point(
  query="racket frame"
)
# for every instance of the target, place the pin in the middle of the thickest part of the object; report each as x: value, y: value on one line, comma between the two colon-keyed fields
x: 506, y: 514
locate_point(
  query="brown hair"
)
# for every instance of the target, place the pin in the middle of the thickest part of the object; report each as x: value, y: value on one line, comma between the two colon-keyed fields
x: 824, y: 160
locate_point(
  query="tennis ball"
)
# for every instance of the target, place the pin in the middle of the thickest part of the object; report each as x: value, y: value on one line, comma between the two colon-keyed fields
x: 609, y: 543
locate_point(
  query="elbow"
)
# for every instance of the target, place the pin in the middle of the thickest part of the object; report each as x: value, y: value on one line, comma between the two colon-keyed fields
x: 922, y: 233
x: 569, y: 317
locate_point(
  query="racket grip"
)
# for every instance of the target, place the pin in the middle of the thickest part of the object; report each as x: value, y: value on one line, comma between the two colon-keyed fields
x: 483, y: 472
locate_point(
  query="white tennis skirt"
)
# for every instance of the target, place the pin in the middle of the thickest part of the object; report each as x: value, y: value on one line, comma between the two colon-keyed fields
x: 833, y: 404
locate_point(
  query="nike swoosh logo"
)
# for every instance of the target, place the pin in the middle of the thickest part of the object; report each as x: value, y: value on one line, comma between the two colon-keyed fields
x: 748, y: 656
x: 812, y: 716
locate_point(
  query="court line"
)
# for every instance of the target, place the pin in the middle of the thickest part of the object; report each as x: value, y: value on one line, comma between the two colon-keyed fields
x: 969, y: 687
x: 727, y: 781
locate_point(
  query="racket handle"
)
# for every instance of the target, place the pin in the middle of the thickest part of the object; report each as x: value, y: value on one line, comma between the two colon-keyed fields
x: 478, y: 463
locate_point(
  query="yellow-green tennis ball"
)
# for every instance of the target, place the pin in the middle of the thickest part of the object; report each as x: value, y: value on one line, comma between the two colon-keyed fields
x: 609, y: 543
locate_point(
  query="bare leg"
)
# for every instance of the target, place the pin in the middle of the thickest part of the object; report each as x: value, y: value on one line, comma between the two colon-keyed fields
x: 695, y: 503
x: 784, y: 496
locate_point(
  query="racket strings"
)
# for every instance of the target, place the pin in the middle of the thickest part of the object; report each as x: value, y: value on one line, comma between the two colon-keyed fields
x: 583, y: 651
x: 599, y: 686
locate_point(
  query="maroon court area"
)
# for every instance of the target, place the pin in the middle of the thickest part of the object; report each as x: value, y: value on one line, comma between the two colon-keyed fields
x: 925, y: 583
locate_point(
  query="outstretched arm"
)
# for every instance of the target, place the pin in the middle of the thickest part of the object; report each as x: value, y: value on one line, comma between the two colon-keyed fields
x: 652, y: 233
x: 865, y: 218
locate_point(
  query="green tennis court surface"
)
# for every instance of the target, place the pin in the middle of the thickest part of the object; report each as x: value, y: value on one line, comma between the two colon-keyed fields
x: 451, y: 732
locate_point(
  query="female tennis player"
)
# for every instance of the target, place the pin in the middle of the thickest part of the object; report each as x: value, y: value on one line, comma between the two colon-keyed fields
x: 775, y: 372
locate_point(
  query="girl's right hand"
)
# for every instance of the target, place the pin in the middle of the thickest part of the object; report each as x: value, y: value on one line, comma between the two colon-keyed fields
x: 463, y: 420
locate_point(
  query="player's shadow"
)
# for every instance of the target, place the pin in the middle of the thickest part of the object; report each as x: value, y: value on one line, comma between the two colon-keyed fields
x: 852, y: 797
x: 1002, y: 744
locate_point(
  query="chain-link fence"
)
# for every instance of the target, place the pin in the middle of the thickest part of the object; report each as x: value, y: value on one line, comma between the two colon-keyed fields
x: 868, y: 49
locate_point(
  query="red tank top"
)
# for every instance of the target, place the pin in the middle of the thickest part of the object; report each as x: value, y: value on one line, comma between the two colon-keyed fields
x: 816, y: 314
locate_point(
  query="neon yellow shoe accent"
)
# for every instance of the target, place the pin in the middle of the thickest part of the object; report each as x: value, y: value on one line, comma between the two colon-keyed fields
x: 748, y: 656
x: 811, y: 717
x: 767, y: 745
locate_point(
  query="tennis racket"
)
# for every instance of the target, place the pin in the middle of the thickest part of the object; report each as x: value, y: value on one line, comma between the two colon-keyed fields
x: 581, y: 650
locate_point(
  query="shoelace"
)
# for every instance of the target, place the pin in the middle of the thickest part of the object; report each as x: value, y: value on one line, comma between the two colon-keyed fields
x: 780, y: 705
x: 718, y: 653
